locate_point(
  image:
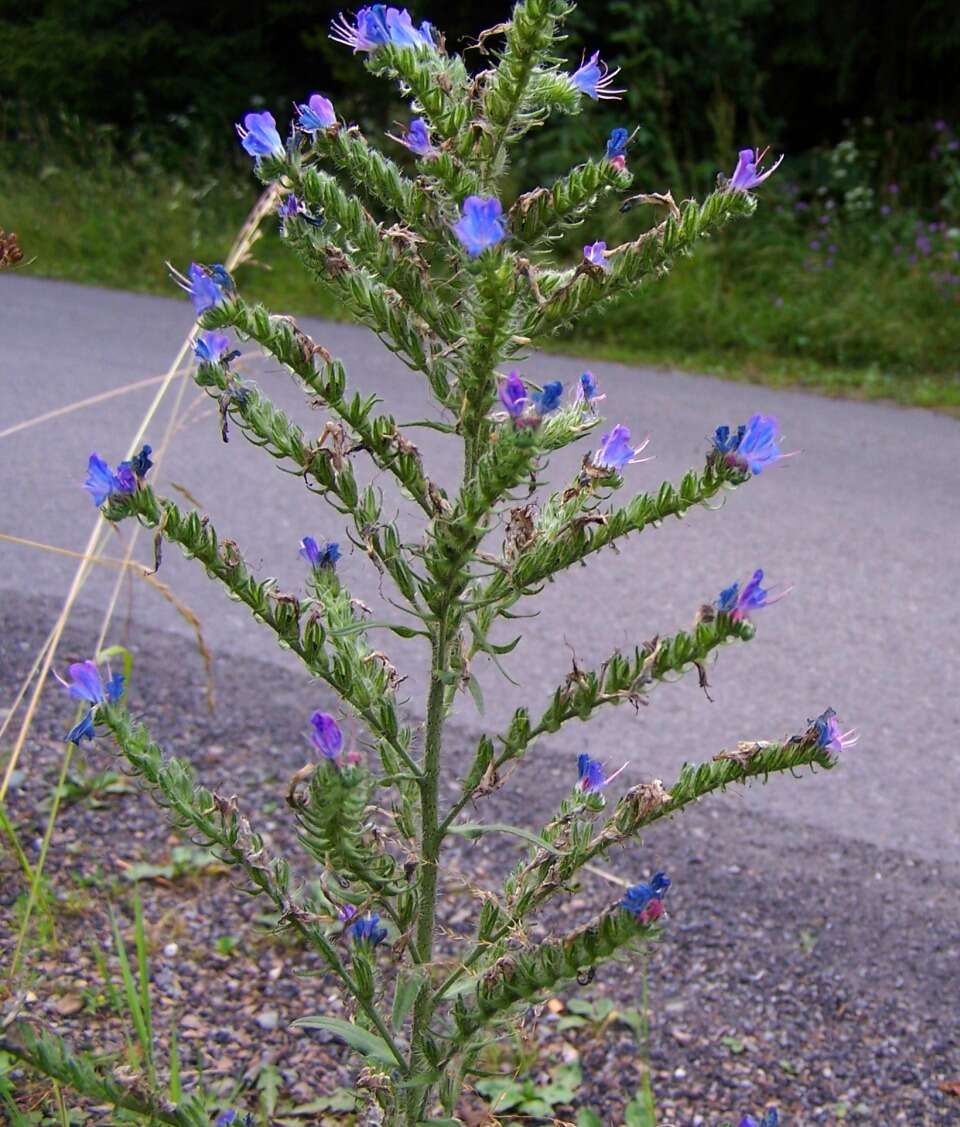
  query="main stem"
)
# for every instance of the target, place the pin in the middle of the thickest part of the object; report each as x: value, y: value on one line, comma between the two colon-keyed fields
x: 431, y: 838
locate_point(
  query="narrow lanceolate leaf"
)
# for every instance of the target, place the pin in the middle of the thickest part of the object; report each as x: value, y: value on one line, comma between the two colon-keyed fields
x: 364, y: 1042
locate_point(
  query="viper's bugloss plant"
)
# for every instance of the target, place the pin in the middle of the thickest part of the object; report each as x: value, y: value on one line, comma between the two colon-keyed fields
x: 458, y: 281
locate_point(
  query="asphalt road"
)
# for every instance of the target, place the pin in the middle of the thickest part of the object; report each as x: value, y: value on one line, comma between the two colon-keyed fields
x: 863, y: 522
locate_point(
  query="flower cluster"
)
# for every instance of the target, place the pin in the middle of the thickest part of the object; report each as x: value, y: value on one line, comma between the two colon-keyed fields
x: 645, y: 901
x: 102, y: 482
x: 526, y: 408
x: 87, y: 685
x: 377, y: 25
x: 752, y: 447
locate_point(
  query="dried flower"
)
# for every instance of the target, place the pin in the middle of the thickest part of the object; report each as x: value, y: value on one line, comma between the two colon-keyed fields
x: 594, y: 78
x: 748, y: 174
x: 481, y: 224
x: 259, y: 135
x: 326, y: 735
x: 315, y: 114
x: 10, y: 252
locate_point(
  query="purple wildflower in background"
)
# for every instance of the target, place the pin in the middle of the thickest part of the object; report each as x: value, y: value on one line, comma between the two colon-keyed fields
x: 771, y: 1119
x: 739, y: 602
x: 326, y: 735
x: 102, y: 482
x: 748, y: 173
x: 367, y: 930
x: 595, y: 254
x: 315, y: 114
x: 594, y: 78
x: 513, y: 395
x: 228, y: 1117
x: 481, y: 224
x: 617, y: 142
x: 317, y: 556
x: 753, y: 446
x: 615, y: 450
x: 206, y: 288
x: 645, y: 901
x: 590, y: 776
x: 259, y: 135
x: 549, y: 399
x: 826, y: 728
x: 417, y: 139
x: 211, y: 346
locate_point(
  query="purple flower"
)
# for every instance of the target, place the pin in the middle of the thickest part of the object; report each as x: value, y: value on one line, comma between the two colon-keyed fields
x: 259, y: 135
x: 617, y: 142
x: 826, y: 729
x: 513, y: 395
x: 377, y: 25
x: 752, y: 447
x: 587, y: 390
x: 739, y: 602
x: 748, y: 173
x: 317, y: 556
x: 85, y: 684
x: 140, y: 463
x: 590, y: 776
x: 549, y: 399
x: 315, y: 114
x: 615, y: 450
x: 771, y: 1119
x: 481, y: 224
x: 594, y: 78
x: 645, y: 901
x: 211, y: 346
x: 367, y: 930
x: 326, y: 735
x: 206, y: 287
x: 595, y: 254
x: 417, y: 139
x: 102, y: 482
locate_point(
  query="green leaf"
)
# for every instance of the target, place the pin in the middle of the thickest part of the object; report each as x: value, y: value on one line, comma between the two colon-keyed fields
x: 640, y: 1112
x: 364, y: 1042
x: 477, y: 693
x: 586, y: 1117
x: 475, y: 829
x: 408, y: 986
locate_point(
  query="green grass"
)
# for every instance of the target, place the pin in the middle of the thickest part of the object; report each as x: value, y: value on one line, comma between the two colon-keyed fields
x: 752, y: 305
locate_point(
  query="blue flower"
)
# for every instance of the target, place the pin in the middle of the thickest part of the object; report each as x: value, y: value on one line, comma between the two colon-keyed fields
x: 753, y: 446
x: 617, y: 142
x: 86, y: 684
x: 376, y: 25
x: 140, y: 463
x: 615, y: 450
x: 317, y: 556
x: 513, y: 395
x: 417, y: 139
x: 326, y: 735
x: 771, y: 1119
x: 102, y: 482
x: 594, y: 78
x: 549, y: 399
x: 739, y: 602
x: 367, y: 930
x: 259, y: 135
x: 588, y: 390
x: 481, y: 224
x: 211, y: 346
x: 590, y: 776
x: 645, y: 901
x: 206, y: 287
x: 748, y: 174
x: 84, y: 730
x: 595, y: 254
x: 226, y: 1118
x: 826, y: 731
x: 315, y: 114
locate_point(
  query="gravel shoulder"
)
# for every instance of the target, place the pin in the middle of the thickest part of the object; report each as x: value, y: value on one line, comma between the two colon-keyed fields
x: 798, y: 967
